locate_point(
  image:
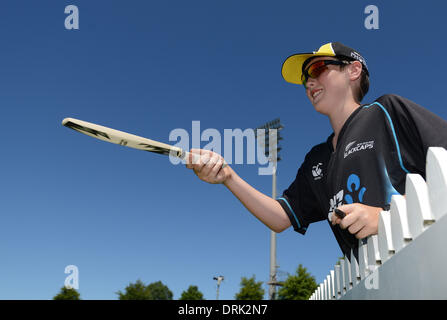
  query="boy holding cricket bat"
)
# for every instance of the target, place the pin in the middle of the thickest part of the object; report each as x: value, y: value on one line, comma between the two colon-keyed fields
x: 360, y: 165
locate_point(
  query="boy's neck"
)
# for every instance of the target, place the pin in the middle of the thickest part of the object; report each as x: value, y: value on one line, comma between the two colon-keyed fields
x: 339, y: 118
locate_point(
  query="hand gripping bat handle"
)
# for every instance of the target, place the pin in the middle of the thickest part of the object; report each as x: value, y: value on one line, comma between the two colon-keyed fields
x: 196, y: 157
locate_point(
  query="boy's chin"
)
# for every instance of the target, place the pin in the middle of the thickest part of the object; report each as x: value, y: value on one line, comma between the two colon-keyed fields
x: 321, y: 108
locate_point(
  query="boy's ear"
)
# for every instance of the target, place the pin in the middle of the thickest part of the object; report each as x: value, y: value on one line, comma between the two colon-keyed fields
x: 355, y: 70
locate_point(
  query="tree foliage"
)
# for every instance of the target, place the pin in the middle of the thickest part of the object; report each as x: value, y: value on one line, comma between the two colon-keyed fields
x: 159, y: 291
x: 67, y: 294
x: 140, y: 291
x: 250, y: 289
x: 299, y: 286
x: 192, y: 293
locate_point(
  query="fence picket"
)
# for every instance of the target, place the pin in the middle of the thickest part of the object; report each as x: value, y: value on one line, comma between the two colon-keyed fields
x: 385, y: 239
x: 373, y: 251
x: 348, y: 277
x: 332, y: 281
x: 337, y: 280
x: 363, y: 264
x: 436, y: 174
x: 418, y: 205
x: 355, y: 276
x: 342, y: 276
x: 400, y: 231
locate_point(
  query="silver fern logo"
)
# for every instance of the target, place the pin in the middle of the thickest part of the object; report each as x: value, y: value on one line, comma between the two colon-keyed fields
x: 336, y: 201
x: 349, y: 145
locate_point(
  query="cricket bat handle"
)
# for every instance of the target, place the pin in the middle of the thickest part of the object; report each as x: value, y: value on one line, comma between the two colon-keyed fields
x: 196, y: 157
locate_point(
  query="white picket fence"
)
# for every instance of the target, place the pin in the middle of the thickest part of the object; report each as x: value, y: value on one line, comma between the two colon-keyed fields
x: 407, y: 259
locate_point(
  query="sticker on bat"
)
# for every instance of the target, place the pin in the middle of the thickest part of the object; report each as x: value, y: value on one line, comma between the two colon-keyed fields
x: 82, y: 129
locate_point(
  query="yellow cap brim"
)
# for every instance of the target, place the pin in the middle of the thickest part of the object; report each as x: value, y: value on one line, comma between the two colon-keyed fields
x: 292, y: 67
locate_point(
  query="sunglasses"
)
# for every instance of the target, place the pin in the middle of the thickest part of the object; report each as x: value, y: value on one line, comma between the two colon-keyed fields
x: 317, y: 68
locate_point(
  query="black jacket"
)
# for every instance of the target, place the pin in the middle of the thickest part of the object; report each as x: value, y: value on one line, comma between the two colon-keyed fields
x: 377, y: 146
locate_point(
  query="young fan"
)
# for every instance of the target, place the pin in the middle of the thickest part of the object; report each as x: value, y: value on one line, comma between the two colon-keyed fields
x: 363, y: 162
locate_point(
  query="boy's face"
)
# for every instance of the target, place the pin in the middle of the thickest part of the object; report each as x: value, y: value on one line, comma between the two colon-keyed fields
x: 329, y: 89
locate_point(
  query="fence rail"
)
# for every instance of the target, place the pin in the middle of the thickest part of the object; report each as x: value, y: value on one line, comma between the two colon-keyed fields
x: 407, y: 259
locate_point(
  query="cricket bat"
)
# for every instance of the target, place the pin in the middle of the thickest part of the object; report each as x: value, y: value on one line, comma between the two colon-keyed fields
x: 127, y: 139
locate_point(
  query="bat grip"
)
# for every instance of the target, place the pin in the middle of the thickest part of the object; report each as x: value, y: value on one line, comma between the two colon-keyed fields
x: 196, y: 158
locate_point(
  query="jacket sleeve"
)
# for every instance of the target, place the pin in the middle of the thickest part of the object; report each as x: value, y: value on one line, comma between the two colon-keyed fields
x: 416, y: 129
x: 300, y: 203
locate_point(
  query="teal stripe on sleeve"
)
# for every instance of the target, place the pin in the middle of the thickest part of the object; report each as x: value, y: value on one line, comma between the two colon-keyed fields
x: 291, y: 210
x: 394, y: 134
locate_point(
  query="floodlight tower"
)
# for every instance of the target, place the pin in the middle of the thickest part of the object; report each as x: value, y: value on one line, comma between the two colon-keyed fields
x: 219, y: 280
x: 271, y: 137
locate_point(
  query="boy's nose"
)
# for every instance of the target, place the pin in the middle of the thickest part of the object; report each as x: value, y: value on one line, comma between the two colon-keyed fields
x: 310, y: 83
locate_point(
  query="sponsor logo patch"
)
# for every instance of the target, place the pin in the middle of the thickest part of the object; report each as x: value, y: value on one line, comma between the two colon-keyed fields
x: 317, y: 172
x: 352, y: 147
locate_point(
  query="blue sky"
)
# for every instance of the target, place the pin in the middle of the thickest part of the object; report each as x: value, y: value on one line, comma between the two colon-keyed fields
x: 148, y: 67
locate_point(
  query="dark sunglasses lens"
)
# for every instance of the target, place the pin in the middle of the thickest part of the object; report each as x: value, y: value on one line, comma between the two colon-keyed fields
x: 313, y: 71
x: 316, y: 69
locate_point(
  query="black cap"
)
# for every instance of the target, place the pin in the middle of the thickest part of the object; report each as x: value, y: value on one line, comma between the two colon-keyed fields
x: 292, y: 68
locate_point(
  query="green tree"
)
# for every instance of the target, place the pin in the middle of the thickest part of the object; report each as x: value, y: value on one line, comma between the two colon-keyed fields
x: 250, y: 290
x: 135, y: 291
x: 192, y: 293
x: 67, y: 294
x: 299, y: 286
x: 158, y: 291
x: 139, y: 291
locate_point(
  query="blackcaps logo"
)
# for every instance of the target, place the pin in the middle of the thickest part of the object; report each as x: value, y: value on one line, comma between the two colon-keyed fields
x: 358, y: 147
x: 349, y: 145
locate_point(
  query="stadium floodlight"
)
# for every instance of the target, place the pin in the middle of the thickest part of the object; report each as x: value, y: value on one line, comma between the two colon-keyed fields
x: 268, y: 138
x: 219, y: 281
